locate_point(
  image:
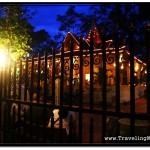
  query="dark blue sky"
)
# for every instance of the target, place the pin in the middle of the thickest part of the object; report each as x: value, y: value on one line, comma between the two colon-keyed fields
x: 45, y: 17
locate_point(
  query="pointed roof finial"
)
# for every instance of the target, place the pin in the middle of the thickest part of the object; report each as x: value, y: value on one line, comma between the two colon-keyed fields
x: 93, y: 23
x: 96, y: 37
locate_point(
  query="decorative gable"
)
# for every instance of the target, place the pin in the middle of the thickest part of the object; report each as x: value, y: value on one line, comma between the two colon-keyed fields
x: 70, y: 37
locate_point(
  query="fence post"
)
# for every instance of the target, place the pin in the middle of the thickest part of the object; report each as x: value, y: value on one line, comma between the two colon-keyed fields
x: 91, y: 69
x: 53, y: 76
x: 45, y: 77
x: 71, y: 67
x: 26, y: 81
x: 132, y: 88
x: 1, y: 109
x: 62, y: 76
x: 81, y: 89
x: 14, y: 81
x: 38, y: 77
x: 91, y: 130
x: 104, y: 102
x: 20, y: 78
x: 117, y: 105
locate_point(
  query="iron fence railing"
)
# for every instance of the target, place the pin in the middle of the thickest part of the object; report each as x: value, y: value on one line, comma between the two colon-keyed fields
x: 49, y: 80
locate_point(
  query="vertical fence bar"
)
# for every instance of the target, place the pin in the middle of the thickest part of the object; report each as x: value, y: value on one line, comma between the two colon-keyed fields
x: 132, y: 88
x: 2, y: 84
x: 45, y: 78
x: 26, y: 80
x: 19, y: 92
x: 117, y: 70
x: 71, y: 73
x: 70, y: 129
x: 62, y: 75
x: 13, y: 123
x: 38, y: 77
x: 81, y: 73
x: 37, y: 127
x: 31, y: 94
x: 1, y: 109
x: 45, y: 92
x: 81, y: 89
x: 148, y: 67
x: 24, y: 123
x: 9, y: 83
x: 32, y: 80
x: 91, y: 130
x: 9, y: 117
x: 20, y: 79
x: 61, y: 87
x: 5, y: 82
x: 104, y: 103
x: 14, y: 81
x: 53, y: 76
x: 1, y: 79
x: 52, y: 129
x: 91, y: 70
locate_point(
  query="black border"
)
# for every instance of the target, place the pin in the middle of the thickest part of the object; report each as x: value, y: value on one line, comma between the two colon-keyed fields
x: 65, y: 144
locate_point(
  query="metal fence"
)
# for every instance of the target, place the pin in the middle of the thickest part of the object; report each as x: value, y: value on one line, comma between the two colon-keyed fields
x: 61, y: 77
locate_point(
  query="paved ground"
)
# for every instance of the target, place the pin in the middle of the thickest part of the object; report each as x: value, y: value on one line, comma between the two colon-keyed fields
x: 140, y: 107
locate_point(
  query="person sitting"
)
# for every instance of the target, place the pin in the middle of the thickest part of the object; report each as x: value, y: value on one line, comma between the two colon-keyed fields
x: 70, y: 123
x: 69, y: 119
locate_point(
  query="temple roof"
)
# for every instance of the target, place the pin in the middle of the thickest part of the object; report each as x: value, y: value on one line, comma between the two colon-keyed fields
x: 76, y: 40
x: 96, y: 37
x: 86, y: 41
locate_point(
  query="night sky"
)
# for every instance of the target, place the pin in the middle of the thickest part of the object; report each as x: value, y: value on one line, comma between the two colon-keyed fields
x: 45, y: 15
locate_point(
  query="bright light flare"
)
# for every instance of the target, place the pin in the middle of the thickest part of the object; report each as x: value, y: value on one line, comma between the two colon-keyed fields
x: 2, y: 58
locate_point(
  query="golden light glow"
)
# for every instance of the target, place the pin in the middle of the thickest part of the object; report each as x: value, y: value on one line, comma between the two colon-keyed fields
x: 120, y: 58
x: 114, y: 64
x: 136, y: 67
x: 122, y: 66
x: 18, y: 69
x: 87, y: 77
x: 141, y: 68
x: 57, y: 60
x: 2, y: 58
